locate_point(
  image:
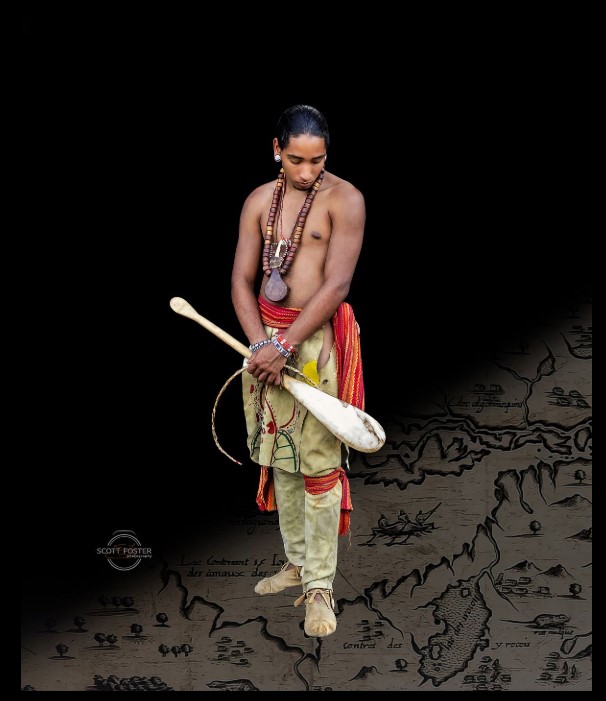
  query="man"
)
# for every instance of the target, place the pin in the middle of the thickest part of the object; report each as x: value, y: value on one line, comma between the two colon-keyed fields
x: 306, y: 228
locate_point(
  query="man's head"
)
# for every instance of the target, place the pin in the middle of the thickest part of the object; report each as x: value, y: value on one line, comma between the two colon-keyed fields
x: 301, y: 120
x: 301, y: 144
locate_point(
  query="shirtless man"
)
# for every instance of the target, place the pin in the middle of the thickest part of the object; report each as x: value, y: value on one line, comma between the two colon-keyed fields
x: 306, y: 230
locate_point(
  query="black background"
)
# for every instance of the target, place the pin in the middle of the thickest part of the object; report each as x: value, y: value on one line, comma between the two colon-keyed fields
x: 139, y: 144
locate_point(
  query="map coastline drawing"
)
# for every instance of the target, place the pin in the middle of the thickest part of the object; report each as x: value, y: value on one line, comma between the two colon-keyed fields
x: 469, y: 565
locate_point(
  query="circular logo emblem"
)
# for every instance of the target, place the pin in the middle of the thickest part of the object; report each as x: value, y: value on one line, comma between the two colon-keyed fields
x: 124, y: 551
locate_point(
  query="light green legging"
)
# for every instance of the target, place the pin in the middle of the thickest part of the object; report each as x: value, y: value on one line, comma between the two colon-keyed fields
x: 309, y: 524
x: 283, y: 435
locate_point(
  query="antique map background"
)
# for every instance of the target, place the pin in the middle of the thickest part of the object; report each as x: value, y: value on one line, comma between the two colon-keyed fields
x: 469, y: 565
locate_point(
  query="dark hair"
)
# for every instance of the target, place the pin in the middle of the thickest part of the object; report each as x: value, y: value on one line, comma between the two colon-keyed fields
x: 300, y: 120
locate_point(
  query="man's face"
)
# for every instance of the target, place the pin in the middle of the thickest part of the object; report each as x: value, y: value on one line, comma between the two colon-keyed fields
x: 302, y: 160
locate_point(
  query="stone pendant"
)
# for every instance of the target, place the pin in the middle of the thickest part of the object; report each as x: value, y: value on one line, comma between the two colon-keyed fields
x: 276, y: 288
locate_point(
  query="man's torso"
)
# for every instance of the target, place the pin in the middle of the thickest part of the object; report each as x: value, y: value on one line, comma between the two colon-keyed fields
x: 305, y: 275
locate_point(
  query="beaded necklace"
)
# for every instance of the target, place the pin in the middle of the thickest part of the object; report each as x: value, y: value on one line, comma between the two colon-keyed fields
x: 278, y: 255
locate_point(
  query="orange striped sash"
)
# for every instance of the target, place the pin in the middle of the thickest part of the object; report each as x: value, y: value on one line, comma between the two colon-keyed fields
x: 347, y: 343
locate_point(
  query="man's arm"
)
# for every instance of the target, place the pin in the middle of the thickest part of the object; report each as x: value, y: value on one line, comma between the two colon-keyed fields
x: 348, y: 219
x: 245, y: 268
x: 267, y: 363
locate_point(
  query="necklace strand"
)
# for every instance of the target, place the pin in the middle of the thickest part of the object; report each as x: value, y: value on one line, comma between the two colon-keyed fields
x: 295, y: 239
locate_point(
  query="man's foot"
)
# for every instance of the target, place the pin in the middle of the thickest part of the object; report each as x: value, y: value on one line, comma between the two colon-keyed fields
x: 320, y: 619
x: 288, y: 576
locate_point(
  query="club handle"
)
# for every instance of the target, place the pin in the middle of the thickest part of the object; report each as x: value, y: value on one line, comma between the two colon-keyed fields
x: 179, y: 305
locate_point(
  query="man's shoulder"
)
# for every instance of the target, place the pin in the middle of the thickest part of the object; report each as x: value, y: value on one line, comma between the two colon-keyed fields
x: 263, y: 191
x: 258, y: 198
x: 341, y: 191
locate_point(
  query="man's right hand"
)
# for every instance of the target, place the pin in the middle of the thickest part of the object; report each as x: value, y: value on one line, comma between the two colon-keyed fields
x: 266, y: 365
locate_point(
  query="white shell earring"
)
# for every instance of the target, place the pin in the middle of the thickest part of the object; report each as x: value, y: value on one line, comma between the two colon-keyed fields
x: 277, y: 158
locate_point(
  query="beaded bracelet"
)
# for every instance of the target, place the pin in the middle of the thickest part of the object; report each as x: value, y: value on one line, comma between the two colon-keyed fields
x: 280, y: 348
x: 285, y: 344
x: 259, y: 344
